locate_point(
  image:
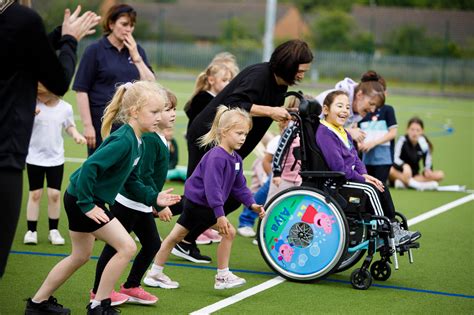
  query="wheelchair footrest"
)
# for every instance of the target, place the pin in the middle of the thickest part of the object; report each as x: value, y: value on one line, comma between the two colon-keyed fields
x: 407, y: 247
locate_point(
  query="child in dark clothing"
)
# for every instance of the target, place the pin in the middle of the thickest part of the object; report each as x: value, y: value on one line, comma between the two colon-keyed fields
x: 218, y: 175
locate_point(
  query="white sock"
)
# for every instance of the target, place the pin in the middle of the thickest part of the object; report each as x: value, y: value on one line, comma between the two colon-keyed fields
x: 37, y: 302
x: 156, y: 270
x: 414, y: 184
x: 222, y: 272
x: 94, y: 304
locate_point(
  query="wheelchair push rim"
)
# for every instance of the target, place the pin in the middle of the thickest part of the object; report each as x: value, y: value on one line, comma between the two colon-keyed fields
x: 302, y: 237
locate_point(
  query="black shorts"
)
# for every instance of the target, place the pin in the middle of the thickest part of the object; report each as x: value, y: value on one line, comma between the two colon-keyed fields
x: 78, y: 221
x: 196, y: 215
x: 36, y: 174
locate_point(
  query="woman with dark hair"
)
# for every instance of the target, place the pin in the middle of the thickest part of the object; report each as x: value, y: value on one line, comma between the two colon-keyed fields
x: 115, y: 58
x: 260, y: 90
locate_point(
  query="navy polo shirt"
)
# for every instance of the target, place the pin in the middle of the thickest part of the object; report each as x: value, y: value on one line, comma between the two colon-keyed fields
x: 102, y: 68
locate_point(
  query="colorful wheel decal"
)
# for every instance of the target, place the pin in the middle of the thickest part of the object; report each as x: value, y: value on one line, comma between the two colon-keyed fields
x: 303, y: 236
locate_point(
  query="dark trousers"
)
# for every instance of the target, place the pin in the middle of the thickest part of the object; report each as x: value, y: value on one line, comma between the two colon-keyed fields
x: 379, y: 171
x: 11, y: 187
x: 96, y: 117
x: 143, y: 224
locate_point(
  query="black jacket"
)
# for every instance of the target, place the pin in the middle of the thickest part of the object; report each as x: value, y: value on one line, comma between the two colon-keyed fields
x: 27, y: 57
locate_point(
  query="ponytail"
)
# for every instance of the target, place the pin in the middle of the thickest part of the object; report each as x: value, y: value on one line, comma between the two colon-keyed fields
x: 111, y: 111
x: 212, y: 137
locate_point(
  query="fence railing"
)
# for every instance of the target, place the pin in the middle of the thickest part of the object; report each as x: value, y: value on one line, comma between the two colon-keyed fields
x: 327, y: 63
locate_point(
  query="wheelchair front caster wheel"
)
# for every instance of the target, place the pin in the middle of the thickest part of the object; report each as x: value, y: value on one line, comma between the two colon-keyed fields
x: 361, y: 279
x: 381, y: 270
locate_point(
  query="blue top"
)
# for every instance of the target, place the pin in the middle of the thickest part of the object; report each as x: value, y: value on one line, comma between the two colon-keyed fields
x: 218, y: 175
x: 338, y: 156
x: 376, y: 125
x: 102, y: 68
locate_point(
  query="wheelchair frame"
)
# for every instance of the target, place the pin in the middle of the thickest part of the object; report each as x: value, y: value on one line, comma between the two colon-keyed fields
x: 357, y: 231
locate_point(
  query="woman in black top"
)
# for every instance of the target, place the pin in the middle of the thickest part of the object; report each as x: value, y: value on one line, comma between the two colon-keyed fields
x: 259, y: 89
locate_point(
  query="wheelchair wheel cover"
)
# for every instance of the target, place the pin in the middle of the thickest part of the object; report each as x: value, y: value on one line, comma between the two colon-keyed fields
x: 302, y: 237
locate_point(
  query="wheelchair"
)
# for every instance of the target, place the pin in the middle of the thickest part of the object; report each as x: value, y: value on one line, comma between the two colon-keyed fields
x: 320, y: 228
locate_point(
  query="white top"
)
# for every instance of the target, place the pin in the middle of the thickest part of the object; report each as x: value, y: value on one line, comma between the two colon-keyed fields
x: 46, y: 144
x: 272, y: 145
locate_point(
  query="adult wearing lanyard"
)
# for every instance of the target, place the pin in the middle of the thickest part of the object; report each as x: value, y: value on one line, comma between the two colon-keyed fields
x: 259, y: 89
x: 114, y: 59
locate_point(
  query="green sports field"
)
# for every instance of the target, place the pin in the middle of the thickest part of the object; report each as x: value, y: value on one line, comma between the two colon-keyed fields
x: 440, y: 281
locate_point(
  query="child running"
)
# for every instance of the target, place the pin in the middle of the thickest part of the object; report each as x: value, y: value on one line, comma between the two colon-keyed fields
x: 218, y: 175
x: 46, y: 159
x: 138, y: 217
x: 340, y: 154
x: 97, y: 183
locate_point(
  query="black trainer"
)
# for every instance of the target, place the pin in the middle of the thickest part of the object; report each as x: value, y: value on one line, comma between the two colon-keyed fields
x: 105, y: 308
x: 50, y: 306
x: 190, y: 252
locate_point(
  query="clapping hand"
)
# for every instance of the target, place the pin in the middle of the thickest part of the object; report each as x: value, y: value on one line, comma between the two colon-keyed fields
x: 79, y: 26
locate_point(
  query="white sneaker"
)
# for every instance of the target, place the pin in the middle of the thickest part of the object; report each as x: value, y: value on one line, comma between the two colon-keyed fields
x: 55, y: 237
x: 399, y: 184
x: 160, y: 281
x: 31, y: 238
x: 255, y: 242
x: 228, y: 281
x: 246, y: 231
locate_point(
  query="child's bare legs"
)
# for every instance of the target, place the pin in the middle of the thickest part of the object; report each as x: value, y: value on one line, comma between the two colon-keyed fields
x: 224, y: 248
x: 53, y: 203
x: 33, y: 205
x: 176, y: 235
x: 430, y: 176
x: 82, y: 244
x: 404, y: 175
x: 114, y: 234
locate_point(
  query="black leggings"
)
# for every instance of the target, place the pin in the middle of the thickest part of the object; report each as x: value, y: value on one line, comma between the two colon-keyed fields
x: 144, y: 226
x: 11, y: 188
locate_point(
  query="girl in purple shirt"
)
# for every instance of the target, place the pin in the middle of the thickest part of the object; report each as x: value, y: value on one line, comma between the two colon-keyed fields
x: 218, y: 175
x: 338, y: 150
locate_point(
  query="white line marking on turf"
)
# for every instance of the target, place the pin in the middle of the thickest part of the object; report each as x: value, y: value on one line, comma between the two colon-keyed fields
x: 239, y: 296
x: 439, y: 210
x: 278, y: 280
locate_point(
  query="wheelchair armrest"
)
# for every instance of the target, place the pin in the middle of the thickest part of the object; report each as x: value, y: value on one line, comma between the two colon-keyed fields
x: 322, y: 174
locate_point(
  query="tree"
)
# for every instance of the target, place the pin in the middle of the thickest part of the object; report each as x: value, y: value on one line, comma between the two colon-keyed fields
x: 337, y: 30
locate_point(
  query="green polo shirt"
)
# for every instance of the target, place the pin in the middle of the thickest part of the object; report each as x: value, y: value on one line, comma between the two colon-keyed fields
x: 111, y: 167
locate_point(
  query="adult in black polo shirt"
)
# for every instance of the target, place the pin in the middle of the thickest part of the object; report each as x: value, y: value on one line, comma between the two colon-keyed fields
x: 114, y: 59
x: 259, y: 89
x: 27, y: 57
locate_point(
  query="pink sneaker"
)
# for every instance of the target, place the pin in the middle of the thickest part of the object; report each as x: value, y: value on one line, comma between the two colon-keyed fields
x: 213, y: 235
x: 138, y: 295
x: 203, y: 239
x: 115, y: 297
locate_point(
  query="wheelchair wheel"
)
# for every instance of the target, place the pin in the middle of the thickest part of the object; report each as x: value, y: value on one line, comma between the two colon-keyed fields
x: 381, y: 270
x: 361, y: 279
x: 302, y: 237
x: 358, y: 234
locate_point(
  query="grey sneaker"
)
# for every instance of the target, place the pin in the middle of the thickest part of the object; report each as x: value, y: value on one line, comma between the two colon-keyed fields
x: 400, y: 235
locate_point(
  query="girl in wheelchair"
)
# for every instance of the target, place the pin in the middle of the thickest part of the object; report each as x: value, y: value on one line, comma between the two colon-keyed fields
x: 340, y: 154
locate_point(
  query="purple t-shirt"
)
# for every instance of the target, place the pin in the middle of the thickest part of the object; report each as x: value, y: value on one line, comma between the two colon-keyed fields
x: 218, y: 175
x: 339, y: 157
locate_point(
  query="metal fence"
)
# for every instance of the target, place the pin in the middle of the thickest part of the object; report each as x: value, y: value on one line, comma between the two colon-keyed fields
x: 327, y: 63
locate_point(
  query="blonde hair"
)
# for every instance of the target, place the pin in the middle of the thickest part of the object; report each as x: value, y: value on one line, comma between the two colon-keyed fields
x: 202, y: 82
x: 43, y: 90
x: 226, y: 119
x: 130, y: 96
x: 229, y: 60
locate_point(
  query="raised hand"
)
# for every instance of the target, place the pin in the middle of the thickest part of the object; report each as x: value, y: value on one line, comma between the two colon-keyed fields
x: 79, y: 26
